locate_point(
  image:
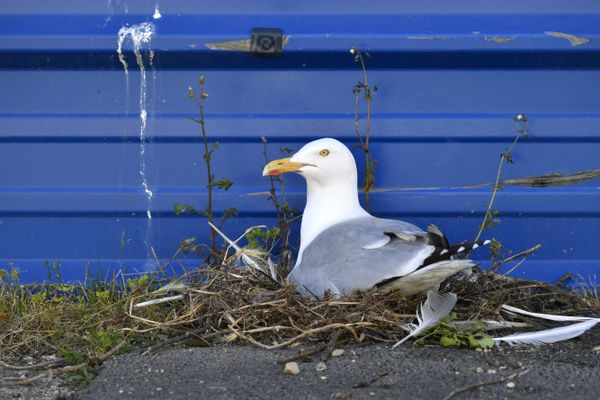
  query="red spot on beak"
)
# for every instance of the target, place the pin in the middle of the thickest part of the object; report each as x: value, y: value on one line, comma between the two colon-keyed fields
x: 273, y: 172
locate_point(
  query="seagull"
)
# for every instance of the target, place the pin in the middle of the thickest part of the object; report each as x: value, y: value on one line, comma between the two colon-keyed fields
x: 344, y: 248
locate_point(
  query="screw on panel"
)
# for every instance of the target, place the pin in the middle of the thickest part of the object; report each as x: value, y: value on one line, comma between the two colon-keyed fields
x: 266, y: 42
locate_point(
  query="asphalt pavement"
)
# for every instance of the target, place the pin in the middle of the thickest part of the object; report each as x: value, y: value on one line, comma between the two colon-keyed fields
x: 563, y: 371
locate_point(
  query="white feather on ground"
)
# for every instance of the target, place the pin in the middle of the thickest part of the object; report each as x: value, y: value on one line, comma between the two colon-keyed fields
x: 433, y: 310
x: 547, y: 336
x: 550, y: 317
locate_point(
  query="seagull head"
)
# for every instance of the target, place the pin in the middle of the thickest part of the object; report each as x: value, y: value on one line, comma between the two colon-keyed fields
x: 331, y: 179
x: 324, y: 161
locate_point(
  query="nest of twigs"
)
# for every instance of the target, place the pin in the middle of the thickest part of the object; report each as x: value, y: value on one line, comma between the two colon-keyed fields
x: 245, y: 305
x: 253, y: 305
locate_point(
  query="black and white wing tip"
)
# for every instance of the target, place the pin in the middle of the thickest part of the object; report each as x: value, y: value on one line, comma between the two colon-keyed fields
x: 446, y: 251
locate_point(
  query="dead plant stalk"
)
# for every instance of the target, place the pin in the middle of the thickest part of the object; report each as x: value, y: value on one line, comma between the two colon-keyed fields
x: 367, y: 94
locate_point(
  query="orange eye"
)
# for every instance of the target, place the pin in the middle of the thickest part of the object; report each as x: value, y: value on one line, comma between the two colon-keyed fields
x: 324, y: 153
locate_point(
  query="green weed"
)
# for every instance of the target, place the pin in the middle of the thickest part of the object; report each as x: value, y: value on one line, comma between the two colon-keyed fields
x: 450, y: 335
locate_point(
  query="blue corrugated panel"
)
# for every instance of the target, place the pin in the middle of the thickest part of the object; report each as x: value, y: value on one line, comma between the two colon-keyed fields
x: 450, y: 77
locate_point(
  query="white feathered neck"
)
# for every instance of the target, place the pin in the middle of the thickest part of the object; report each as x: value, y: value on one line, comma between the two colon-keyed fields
x: 331, y: 183
x: 327, y: 205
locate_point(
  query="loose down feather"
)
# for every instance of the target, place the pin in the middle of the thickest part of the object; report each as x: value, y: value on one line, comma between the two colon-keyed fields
x: 548, y: 335
x: 435, y: 308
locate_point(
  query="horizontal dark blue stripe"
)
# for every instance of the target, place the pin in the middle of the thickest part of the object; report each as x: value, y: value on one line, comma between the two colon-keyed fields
x: 423, y: 60
x: 134, y: 115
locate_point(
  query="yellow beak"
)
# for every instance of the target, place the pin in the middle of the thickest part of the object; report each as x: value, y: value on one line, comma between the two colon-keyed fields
x: 282, y: 166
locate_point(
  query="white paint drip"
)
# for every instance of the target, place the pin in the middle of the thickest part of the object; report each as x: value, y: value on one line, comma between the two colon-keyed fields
x: 157, y: 14
x: 139, y: 35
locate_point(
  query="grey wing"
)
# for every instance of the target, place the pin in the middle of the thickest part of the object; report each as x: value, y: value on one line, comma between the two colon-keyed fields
x: 358, y: 254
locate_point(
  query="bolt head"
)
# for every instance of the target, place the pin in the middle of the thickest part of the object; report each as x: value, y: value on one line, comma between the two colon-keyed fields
x: 265, y: 43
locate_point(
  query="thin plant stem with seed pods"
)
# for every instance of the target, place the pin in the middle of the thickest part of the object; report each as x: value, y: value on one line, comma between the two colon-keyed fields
x: 362, y: 89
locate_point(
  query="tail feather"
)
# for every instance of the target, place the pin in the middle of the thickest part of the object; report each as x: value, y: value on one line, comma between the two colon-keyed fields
x: 436, y: 237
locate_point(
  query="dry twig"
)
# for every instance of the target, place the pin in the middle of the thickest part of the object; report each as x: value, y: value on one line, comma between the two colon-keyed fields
x: 524, y: 253
x: 479, y: 384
